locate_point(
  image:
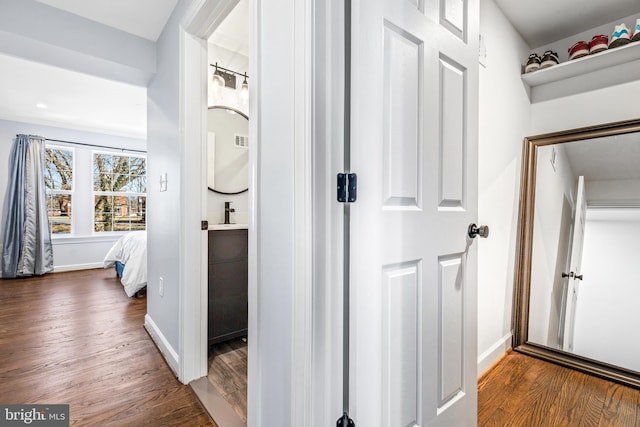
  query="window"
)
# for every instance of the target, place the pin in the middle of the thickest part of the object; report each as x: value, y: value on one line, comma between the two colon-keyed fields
x: 58, y: 179
x: 119, y: 187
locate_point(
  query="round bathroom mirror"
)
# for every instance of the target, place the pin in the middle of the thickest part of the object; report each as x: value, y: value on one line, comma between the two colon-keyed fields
x: 228, y: 150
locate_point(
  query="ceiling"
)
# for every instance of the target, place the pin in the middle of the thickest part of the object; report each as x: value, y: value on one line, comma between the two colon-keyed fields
x: 233, y: 33
x: 143, y: 18
x: 36, y: 93
x: 606, y: 158
x: 541, y: 22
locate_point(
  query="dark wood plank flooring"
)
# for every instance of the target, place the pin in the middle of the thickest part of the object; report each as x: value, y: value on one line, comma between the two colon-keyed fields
x: 76, y: 338
x: 228, y: 373
x: 525, y: 391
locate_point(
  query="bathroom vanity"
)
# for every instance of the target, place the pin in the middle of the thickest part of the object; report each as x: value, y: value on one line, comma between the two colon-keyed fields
x: 228, y: 275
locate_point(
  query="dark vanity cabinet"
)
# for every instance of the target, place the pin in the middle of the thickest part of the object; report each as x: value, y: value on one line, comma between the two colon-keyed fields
x: 228, y: 274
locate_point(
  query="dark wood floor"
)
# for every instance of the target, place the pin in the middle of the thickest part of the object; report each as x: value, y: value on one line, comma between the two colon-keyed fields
x: 228, y: 373
x: 75, y: 338
x: 525, y: 391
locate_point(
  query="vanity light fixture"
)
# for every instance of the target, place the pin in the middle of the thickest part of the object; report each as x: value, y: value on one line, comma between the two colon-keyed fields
x: 244, y: 89
x: 224, y: 77
x: 216, y: 85
x: 217, y: 80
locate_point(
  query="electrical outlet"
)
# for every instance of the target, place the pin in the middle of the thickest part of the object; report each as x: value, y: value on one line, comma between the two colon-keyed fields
x: 161, y: 287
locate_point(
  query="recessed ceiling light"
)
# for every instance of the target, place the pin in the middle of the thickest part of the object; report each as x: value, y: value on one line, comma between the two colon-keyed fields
x: 41, y: 106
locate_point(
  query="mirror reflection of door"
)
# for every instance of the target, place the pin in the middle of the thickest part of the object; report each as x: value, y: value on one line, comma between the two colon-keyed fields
x: 561, y: 282
x: 586, y: 234
x: 575, y: 271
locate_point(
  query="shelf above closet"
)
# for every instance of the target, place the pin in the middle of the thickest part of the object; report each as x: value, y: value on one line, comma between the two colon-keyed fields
x: 611, y: 67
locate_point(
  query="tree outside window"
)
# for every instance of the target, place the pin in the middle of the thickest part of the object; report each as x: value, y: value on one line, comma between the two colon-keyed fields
x: 58, y: 179
x: 120, y: 187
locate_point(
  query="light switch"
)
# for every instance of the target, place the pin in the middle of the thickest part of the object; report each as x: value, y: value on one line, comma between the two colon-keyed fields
x: 482, y: 52
x: 163, y: 182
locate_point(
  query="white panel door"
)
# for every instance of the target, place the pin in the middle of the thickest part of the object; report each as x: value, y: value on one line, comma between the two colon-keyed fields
x: 575, y: 265
x: 414, y: 97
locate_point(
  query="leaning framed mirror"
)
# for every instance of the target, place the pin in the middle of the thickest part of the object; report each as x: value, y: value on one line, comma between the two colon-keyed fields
x: 228, y: 153
x: 576, y: 295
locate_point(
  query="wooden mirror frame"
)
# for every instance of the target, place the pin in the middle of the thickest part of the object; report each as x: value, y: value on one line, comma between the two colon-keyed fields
x: 524, y: 249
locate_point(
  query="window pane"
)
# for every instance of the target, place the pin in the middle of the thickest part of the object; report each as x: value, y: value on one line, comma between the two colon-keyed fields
x: 59, y: 213
x: 102, y: 163
x: 58, y: 169
x: 129, y: 213
x: 120, y: 181
x: 102, y: 182
x: 138, y: 213
x: 137, y: 184
x: 103, y: 213
x: 138, y: 166
x: 122, y: 175
x: 121, y: 165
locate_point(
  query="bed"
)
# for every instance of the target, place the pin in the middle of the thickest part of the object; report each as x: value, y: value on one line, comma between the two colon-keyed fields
x: 129, y: 256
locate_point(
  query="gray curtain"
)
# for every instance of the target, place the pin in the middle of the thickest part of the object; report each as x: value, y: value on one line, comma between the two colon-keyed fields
x: 26, y: 243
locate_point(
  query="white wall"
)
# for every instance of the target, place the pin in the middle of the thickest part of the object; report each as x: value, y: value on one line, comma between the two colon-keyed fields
x: 84, y: 249
x: 607, y: 314
x: 504, y: 122
x: 555, y: 198
x: 163, y: 208
x: 613, y: 192
x: 599, y: 106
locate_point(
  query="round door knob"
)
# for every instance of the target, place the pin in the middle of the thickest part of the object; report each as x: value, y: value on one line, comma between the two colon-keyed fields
x: 474, y: 230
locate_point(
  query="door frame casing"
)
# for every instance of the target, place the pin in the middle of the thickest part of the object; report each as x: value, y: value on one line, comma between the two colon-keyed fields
x: 302, y: 322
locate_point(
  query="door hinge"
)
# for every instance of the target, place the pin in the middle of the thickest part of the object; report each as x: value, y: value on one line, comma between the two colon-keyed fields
x: 345, y: 421
x: 204, y: 225
x: 347, y: 187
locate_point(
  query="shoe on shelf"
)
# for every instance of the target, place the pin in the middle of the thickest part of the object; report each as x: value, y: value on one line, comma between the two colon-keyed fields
x: 620, y: 36
x: 578, y: 50
x: 533, y: 63
x: 636, y: 31
x: 548, y: 59
x: 598, y: 44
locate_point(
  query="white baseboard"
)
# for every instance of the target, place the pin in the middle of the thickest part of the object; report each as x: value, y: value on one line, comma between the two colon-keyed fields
x: 74, y: 267
x: 487, y: 358
x: 163, y: 345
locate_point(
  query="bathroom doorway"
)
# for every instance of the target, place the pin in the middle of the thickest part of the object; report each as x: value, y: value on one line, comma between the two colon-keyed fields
x: 287, y: 325
x: 228, y: 145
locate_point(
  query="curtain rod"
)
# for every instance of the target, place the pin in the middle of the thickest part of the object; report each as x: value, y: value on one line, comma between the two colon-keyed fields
x: 95, y: 145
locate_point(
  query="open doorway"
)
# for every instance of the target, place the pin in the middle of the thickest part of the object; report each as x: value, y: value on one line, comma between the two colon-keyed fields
x: 227, y: 206
x: 286, y: 381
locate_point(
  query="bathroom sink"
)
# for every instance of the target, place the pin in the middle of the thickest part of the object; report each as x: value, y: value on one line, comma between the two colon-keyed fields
x: 227, y: 226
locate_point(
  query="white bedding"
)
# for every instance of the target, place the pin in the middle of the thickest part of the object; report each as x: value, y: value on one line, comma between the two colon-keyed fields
x: 130, y: 250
